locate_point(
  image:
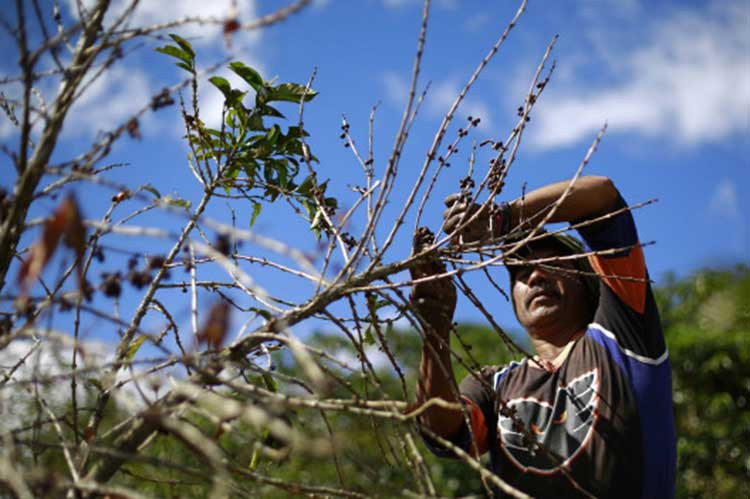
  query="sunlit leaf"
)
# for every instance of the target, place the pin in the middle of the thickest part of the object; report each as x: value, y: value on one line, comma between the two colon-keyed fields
x: 184, y: 45
x: 256, y: 211
x: 179, y: 202
x: 223, y: 85
x: 150, y: 188
x: 251, y: 76
x: 368, y: 338
x: 95, y: 383
x: 175, y: 52
x: 269, y: 382
x: 290, y: 92
x: 133, y: 349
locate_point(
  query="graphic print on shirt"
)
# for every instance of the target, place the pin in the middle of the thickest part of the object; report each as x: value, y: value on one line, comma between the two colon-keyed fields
x: 563, y: 427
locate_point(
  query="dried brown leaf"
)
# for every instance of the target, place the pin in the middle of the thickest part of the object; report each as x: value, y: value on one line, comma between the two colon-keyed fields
x: 215, y: 328
x: 65, y: 223
x: 230, y: 26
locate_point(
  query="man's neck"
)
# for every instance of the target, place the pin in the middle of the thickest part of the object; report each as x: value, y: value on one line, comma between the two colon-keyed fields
x: 550, y: 346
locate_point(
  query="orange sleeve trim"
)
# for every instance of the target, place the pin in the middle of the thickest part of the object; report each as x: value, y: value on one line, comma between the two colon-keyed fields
x: 478, y: 427
x: 632, y: 266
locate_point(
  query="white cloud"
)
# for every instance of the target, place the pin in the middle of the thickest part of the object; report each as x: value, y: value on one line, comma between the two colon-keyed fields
x: 7, y: 128
x: 11, y: 91
x: 439, y: 99
x: 725, y: 200
x: 445, y: 4
x: 106, y: 103
x: 211, y: 100
x: 477, y: 21
x: 49, y: 362
x: 690, y: 84
x: 44, y: 361
x: 153, y: 12
x: 443, y: 95
x: 396, y: 3
x: 126, y: 87
x: 377, y: 358
x: 113, y: 97
x: 621, y: 9
x: 396, y: 87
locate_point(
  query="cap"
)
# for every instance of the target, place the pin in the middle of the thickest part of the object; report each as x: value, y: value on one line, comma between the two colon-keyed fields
x: 566, y: 245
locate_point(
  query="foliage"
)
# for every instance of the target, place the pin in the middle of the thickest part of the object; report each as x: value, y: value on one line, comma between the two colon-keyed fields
x: 269, y: 157
x: 227, y: 393
x: 371, y: 456
x: 711, y: 391
x: 706, y: 318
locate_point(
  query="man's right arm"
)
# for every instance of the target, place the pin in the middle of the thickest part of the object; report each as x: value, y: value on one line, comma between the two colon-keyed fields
x: 436, y: 380
x: 435, y: 301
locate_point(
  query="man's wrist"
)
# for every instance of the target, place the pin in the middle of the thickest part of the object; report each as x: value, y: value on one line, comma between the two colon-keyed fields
x: 437, y: 338
x: 501, y: 220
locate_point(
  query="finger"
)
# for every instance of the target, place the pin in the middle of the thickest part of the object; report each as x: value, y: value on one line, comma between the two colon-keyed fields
x: 451, y: 223
x: 456, y: 209
x: 453, y: 198
x: 457, y: 216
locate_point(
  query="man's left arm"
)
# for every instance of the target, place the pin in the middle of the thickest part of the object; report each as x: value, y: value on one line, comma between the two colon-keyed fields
x: 587, y: 197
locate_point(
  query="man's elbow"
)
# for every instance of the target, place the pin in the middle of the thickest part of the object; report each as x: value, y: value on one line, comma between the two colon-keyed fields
x: 604, y: 190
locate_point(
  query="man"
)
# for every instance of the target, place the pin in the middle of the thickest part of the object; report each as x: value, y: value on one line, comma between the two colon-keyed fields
x: 591, y: 413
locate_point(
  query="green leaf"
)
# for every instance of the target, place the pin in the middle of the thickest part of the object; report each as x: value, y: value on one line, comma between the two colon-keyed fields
x: 254, y: 460
x: 256, y: 211
x: 96, y: 383
x: 295, y: 132
x: 179, y: 202
x: 133, y: 349
x: 184, y: 44
x: 269, y: 382
x: 150, y: 188
x: 262, y: 312
x: 255, y: 122
x: 316, y: 220
x: 378, y: 304
x: 331, y: 202
x: 187, y: 60
x: 249, y: 167
x: 266, y: 110
x: 223, y: 85
x: 290, y: 92
x: 273, y: 135
x: 268, y: 173
x: 306, y: 185
x: 251, y: 76
x: 368, y: 338
x: 282, y: 167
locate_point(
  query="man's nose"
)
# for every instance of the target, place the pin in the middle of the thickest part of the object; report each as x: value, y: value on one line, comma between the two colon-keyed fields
x: 538, y: 275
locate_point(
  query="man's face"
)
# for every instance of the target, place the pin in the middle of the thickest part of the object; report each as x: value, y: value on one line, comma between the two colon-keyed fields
x: 549, y: 301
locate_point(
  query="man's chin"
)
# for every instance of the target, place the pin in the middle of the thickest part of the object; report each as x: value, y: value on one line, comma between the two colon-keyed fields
x: 543, y: 306
x: 544, y: 316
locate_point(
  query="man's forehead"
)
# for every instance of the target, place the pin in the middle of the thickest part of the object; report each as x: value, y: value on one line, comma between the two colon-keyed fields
x: 545, y: 248
x: 539, y: 252
x: 544, y: 252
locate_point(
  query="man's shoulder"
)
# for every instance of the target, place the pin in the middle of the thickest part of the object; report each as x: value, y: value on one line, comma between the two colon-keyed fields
x: 489, y: 377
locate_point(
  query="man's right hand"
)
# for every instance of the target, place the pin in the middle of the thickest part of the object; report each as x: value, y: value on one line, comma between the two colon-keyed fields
x: 458, y: 211
x: 435, y: 300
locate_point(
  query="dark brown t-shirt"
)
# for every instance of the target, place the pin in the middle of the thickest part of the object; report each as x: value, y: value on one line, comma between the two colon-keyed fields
x: 602, y: 423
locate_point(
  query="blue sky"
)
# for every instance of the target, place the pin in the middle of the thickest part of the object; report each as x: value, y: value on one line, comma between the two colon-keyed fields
x: 671, y: 80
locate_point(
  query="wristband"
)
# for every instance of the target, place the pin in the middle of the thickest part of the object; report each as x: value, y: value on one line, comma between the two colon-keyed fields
x: 501, y: 220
